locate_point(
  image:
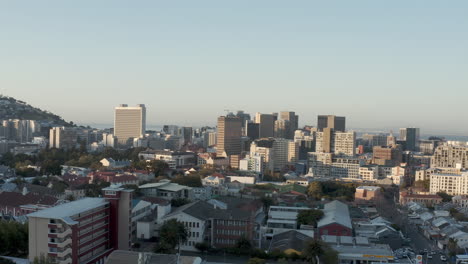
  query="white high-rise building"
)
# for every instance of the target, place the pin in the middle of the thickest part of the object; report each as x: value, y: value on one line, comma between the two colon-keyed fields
x: 129, y: 123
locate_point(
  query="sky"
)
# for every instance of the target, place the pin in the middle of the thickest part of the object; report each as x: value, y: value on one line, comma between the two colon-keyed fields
x: 382, y: 64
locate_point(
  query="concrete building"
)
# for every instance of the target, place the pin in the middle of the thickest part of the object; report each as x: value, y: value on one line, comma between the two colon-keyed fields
x: 129, y: 123
x: 340, y: 143
x: 266, y: 125
x: 281, y: 219
x: 219, y: 222
x: 387, y: 156
x: 369, y: 172
x: 452, y: 184
x: 337, y: 123
x: 175, y: 160
x: 229, y: 139
x: 83, y: 231
x: 63, y: 137
x: 367, y: 194
x: 166, y: 190
x: 411, y: 137
x: 447, y: 156
x: 336, y: 220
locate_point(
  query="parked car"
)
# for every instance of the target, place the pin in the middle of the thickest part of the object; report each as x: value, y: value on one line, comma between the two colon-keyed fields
x: 443, y: 258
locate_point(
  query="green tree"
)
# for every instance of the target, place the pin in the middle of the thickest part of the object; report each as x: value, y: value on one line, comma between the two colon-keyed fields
x: 315, y: 190
x: 172, y: 234
x: 309, y: 217
x: 267, y: 202
x: 317, y: 252
x: 191, y: 181
x: 445, y: 197
x: 179, y: 202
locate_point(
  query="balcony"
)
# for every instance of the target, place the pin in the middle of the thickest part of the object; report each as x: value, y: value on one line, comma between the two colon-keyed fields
x: 64, y: 253
x: 64, y: 243
x: 64, y: 234
x: 65, y: 261
x: 55, y: 226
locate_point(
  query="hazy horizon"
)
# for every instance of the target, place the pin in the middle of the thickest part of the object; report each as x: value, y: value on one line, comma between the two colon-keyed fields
x: 383, y: 65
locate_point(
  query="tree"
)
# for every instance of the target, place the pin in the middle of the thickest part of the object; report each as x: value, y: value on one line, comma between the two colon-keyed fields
x: 203, y: 247
x: 446, y: 198
x: 316, y: 250
x: 452, y: 247
x: 309, y: 217
x: 267, y: 202
x: 424, y: 185
x: 172, y: 234
x: 315, y: 190
x: 243, y: 243
x: 190, y: 181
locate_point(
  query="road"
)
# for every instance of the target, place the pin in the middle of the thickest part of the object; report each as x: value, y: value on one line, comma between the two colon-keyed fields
x: 389, y: 210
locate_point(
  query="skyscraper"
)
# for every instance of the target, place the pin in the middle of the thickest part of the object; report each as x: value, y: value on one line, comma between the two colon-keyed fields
x: 411, y: 136
x: 266, y: 125
x: 229, y: 138
x: 338, y: 123
x: 292, y: 123
x: 129, y: 123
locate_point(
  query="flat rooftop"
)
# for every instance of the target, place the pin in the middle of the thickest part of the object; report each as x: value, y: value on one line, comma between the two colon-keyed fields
x: 66, y: 210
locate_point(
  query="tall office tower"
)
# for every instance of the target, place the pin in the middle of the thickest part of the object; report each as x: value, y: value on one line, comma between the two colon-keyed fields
x: 282, y: 129
x: 229, y: 139
x: 411, y: 136
x: 293, y: 122
x: 82, y: 231
x: 186, y: 133
x: 243, y: 116
x: 340, y: 143
x: 338, y: 123
x: 253, y: 130
x: 129, y: 123
x: 266, y: 125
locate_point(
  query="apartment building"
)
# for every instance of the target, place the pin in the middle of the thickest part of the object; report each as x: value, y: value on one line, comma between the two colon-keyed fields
x: 447, y: 156
x: 340, y: 143
x: 82, y: 231
x: 453, y: 184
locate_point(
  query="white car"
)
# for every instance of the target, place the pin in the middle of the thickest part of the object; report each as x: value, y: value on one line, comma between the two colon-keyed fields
x: 443, y: 258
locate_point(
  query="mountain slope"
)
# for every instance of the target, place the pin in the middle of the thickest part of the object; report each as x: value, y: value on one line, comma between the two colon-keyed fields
x: 10, y: 108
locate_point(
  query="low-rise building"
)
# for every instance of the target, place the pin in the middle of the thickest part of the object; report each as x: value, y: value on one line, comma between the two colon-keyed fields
x: 174, y: 159
x: 166, y: 190
x: 427, y: 199
x: 336, y: 220
x: 367, y: 194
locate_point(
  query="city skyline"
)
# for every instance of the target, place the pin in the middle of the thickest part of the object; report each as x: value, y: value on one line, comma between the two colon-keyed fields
x: 379, y: 64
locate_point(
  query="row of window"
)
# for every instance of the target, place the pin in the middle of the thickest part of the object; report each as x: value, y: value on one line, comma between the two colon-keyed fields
x: 191, y: 224
x: 230, y: 223
x: 229, y: 232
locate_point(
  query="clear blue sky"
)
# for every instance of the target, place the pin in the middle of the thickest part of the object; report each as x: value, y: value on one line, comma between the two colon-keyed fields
x: 380, y: 63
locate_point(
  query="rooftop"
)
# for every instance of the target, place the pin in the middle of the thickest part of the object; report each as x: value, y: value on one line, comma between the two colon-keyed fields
x: 66, y: 210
